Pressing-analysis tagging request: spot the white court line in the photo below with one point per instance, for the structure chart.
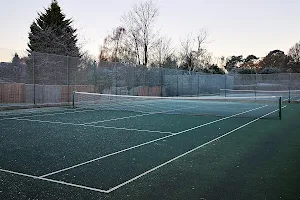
(291, 99)
(295, 98)
(106, 127)
(58, 113)
(146, 114)
(48, 114)
(54, 181)
(90, 125)
(186, 153)
(146, 143)
(29, 111)
(112, 119)
(29, 114)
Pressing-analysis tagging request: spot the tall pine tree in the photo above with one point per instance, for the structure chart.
(52, 33)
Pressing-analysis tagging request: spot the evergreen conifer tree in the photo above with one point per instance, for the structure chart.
(52, 33)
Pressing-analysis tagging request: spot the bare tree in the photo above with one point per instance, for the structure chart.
(220, 62)
(117, 39)
(132, 39)
(104, 51)
(193, 55)
(202, 57)
(294, 58)
(140, 34)
(294, 53)
(112, 45)
(186, 53)
(162, 50)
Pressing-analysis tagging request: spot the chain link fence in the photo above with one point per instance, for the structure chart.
(39, 78)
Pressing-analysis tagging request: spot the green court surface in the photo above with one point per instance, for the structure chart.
(88, 154)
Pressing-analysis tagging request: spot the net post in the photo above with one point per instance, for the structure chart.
(73, 99)
(280, 108)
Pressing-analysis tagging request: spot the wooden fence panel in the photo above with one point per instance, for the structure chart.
(66, 94)
(12, 92)
(29, 93)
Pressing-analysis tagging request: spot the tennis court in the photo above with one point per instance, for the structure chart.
(152, 148)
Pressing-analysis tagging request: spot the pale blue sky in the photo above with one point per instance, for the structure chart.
(234, 26)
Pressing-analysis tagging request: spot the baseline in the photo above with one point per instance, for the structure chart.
(53, 181)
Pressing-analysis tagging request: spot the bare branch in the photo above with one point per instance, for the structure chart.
(139, 23)
(194, 55)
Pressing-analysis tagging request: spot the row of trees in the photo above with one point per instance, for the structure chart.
(138, 42)
(275, 61)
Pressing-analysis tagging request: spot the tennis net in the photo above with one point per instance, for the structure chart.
(287, 95)
(263, 106)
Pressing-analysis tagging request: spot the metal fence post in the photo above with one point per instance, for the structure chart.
(116, 81)
(33, 77)
(95, 76)
(177, 85)
(198, 90)
(255, 86)
(68, 84)
(133, 83)
(225, 93)
(161, 81)
(148, 76)
(290, 82)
